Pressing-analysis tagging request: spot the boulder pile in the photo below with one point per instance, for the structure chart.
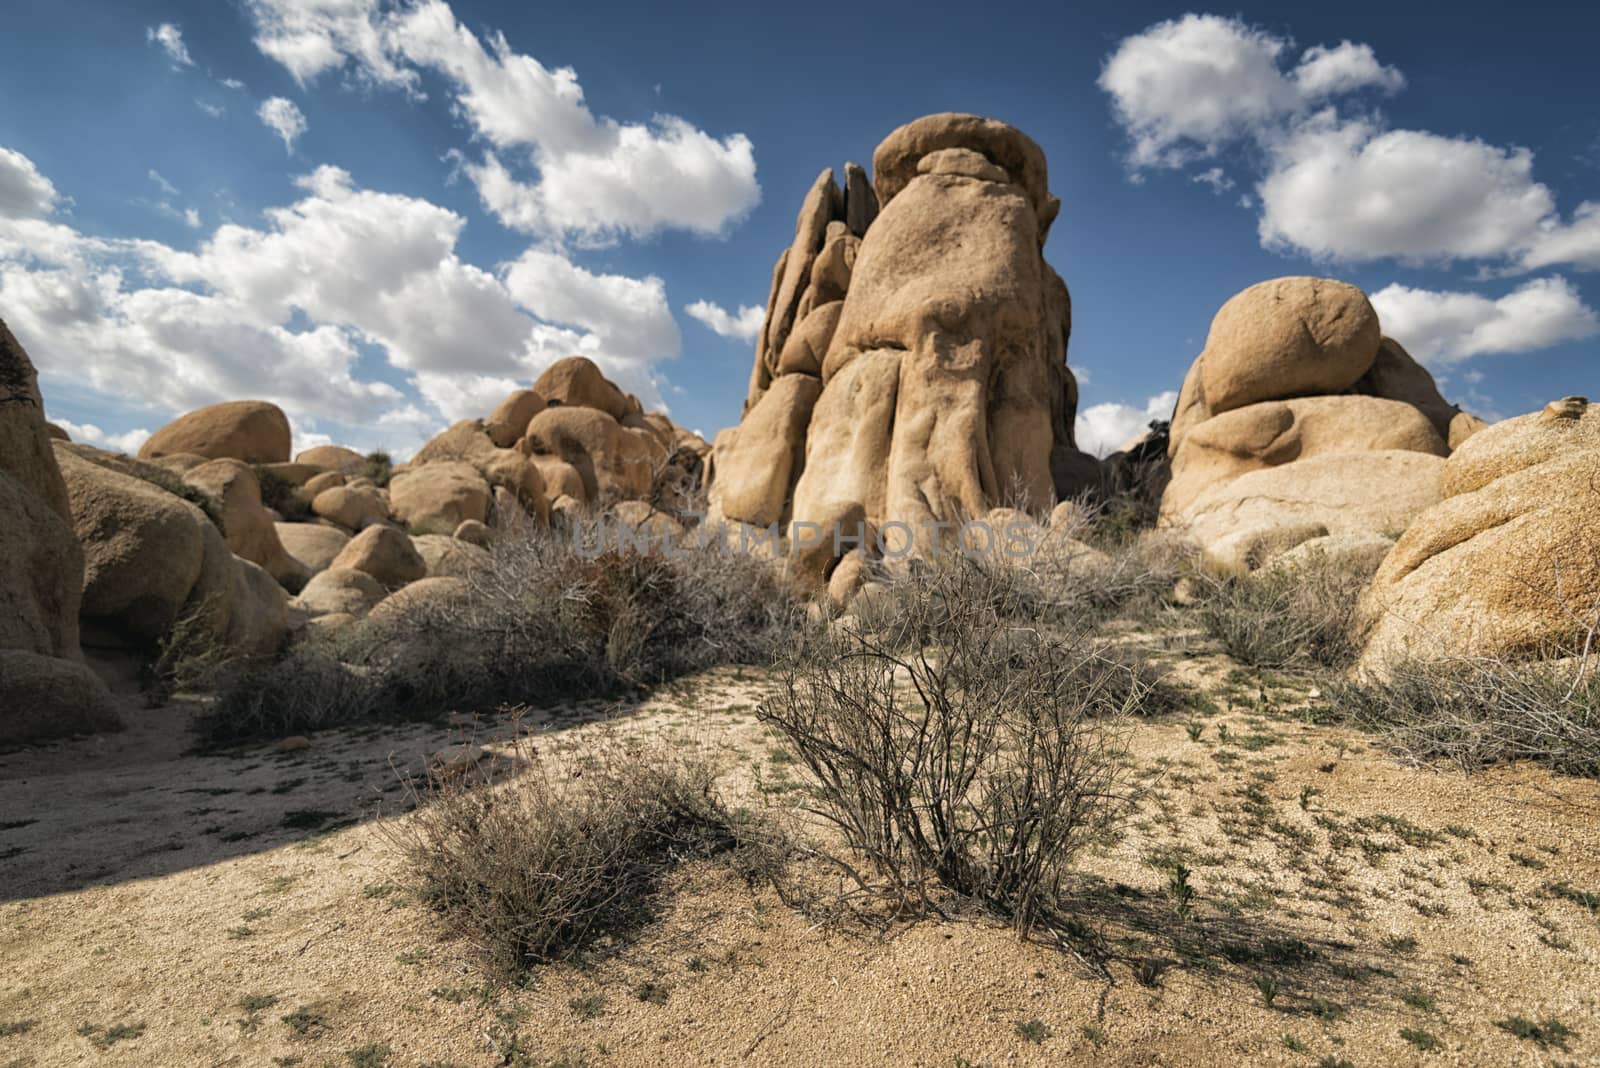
(911, 369)
(1301, 420)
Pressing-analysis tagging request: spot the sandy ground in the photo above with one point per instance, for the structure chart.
(163, 908)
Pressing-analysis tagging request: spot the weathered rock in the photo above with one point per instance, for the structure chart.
(757, 462)
(473, 533)
(808, 343)
(439, 497)
(352, 507)
(1395, 375)
(325, 481)
(334, 458)
(247, 527)
(341, 590)
(560, 479)
(1270, 433)
(253, 431)
(656, 528)
(1243, 551)
(1358, 553)
(295, 474)
(822, 205)
(896, 161)
(314, 545)
(860, 201)
(48, 697)
(450, 557)
(614, 463)
(1346, 492)
(508, 422)
(521, 477)
(577, 382)
(1508, 564)
(817, 544)
(830, 274)
(258, 615)
(384, 553)
(421, 597)
(465, 441)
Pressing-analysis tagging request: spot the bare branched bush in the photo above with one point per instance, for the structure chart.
(544, 621)
(971, 754)
(1474, 712)
(539, 867)
(1288, 613)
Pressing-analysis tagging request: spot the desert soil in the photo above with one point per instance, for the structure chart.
(159, 907)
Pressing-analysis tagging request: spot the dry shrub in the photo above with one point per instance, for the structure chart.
(538, 868)
(971, 754)
(542, 622)
(1288, 613)
(1474, 712)
(281, 495)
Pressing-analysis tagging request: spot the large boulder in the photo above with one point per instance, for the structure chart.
(438, 497)
(334, 458)
(258, 617)
(43, 697)
(314, 545)
(246, 524)
(613, 461)
(449, 556)
(507, 423)
(253, 431)
(1508, 564)
(354, 508)
(384, 553)
(1345, 492)
(577, 382)
(759, 460)
(429, 595)
(340, 591)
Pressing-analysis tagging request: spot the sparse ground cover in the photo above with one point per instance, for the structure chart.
(1284, 891)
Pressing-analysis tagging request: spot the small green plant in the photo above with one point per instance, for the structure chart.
(588, 1008)
(1404, 945)
(306, 1022)
(17, 1027)
(1423, 1040)
(106, 1037)
(1308, 792)
(1032, 1031)
(651, 992)
(695, 964)
(1267, 987)
(1420, 1000)
(1293, 1045)
(1095, 1035)
(1549, 1033)
(380, 468)
(1195, 730)
(1179, 891)
(372, 1055)
(253, 1005)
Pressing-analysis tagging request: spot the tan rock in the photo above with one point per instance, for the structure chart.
(817, 544)
(508, 422)
(334, 458)
(808, 343)
(422, 598)
(247, 526)
(758, 461)
(577, 382)
(1288, 337)
(560, 478)
(849, 575)
(830, 273)
(1242, 551)
(352, 507)
(450, 557)
(860, 202)
(47, 697)
(1358, 553)
(473, 533)
(1506, 565)
(341, 590)
(258, 614)
(384, 553)
(314, 545)
(1374, 492)
(613, 462)
(1395, 375)
(895, 163)
(821, 206)
(324, 481)
(655, 527)
(253, 431)
(439, 497)
(295, 474)
(465, 441)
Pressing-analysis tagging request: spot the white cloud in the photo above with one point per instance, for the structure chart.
(597, 178)
(216, 111)
(90, 434)
(1102, 428)
(295, 311)
(162, 183)
(232, 83)
(1215, 178)
(743, 326)
(192, 218)
(24, 192)
(1186, 87)
(170, 38)
(1335, 185)
(283, 118)
(1440, 328)
(1349, 191)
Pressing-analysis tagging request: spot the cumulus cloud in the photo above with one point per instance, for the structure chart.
(741, 326)
(332, 306)
(283, 118)
(1186, 87)
(1335, 184)
(1102, 428)
(1440, 328)
(595, 178)
(170, 38)
(24, 192)
(215, 111)
(89, 434)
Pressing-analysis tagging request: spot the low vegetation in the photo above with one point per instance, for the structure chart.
(1285, 614)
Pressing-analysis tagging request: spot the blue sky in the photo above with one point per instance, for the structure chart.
(383, 215)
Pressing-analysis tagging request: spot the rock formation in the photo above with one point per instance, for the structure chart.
(45, 688)
(1508, 563)
(911, 369)
(1300, 414)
